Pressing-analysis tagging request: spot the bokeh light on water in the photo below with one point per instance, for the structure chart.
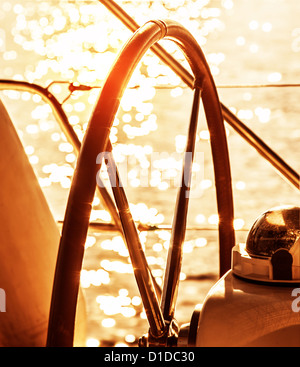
(77, 41)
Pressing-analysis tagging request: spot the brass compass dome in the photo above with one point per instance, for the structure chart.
(277, 228)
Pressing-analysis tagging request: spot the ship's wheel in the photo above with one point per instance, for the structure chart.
(96, 145)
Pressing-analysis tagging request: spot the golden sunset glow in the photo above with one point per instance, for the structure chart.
(73, 44)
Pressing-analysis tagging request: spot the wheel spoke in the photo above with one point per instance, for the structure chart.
(145, 281)
(173, 267)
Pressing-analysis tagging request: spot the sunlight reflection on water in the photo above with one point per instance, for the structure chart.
(58, 40)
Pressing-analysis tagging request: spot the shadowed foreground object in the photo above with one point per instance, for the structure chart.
(254, 304)
(238, 313)
(29, 241)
